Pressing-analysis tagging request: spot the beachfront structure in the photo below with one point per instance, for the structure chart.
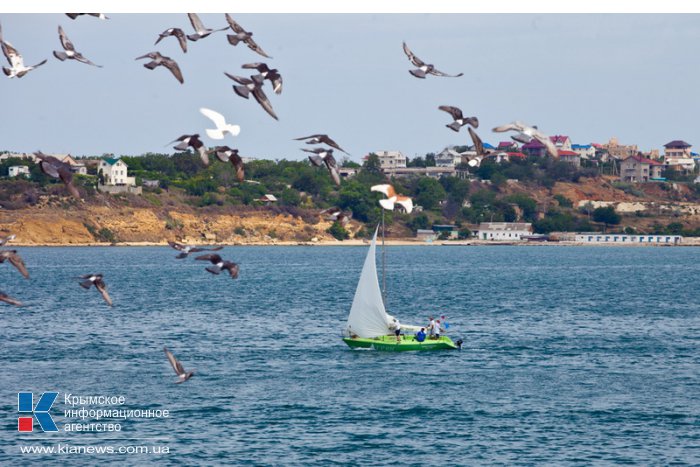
(17, 170)
(597, 237)
(677, 148)
(426, 235)
(585, 151)
(500, 231)
(638, 169)
(571, 157)
(389, 159)
(433, 172)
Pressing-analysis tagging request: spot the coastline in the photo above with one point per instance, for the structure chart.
(687, 242)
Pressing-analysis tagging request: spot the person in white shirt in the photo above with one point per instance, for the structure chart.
(431, 327)
(397, 329)
(436, 331)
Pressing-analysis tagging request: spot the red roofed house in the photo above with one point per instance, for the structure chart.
(571, 157)
(638, 169)
(561, 142)
(508, 146)
(534, 148)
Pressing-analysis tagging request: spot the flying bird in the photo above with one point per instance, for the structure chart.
(219, 265)
(161, 60)
(424, 68)
(55, 168)
(177, 366)
(243, 36)
(185, 250)
(526, 133)
(7, 239)
(15, 260)
(7, 299)
(325, 156)
(96, 15)
(459, 119)
(221, 126)
(17, 67)
(69, 50)
(478, 148)
(200, 31)
(194, 142)
(266, 73)
(96, 280)
(248, 85)
(226, 154)
(321, 139)
(392, 198)
(337, 215)
(175, 32)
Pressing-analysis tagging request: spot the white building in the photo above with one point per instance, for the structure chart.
(17, 170)
(597, 237)
(448, 157)
(586, 151)
(114, 172)
(433, 172)
(389, 159)
(18, 155)
(512, 231)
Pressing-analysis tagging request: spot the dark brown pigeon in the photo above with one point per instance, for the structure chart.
(219, 265)
(15, 260)
(185, 250)
(177, 366)
(161, 60)
(96, 280)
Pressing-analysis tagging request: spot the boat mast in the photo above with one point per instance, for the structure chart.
(383, 263)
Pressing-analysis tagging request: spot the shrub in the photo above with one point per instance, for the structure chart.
(338, 231)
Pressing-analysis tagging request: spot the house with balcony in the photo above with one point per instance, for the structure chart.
(639, 169)
(449, 157)
(677, 148)
(570, 157)
(389, 159)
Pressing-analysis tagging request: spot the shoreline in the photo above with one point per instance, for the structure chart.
(690, 242)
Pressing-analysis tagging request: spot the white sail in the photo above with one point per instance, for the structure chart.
(368, 317)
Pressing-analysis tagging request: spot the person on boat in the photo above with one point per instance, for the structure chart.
(397, 329)
(445, 324)
(431, 327)
(436, 332)
(420, 335)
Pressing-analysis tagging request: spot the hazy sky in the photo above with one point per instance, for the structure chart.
(587, 76)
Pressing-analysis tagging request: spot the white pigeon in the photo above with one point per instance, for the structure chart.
(221, 126)
(392, 198)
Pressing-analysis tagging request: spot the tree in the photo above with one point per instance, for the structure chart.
(372, 164)
(429, 193)
(338, 231)
(606, 215)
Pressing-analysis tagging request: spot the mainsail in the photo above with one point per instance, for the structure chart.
(368, 317)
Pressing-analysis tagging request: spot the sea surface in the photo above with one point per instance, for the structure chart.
(572, 356)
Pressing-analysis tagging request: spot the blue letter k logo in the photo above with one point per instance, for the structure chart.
(25, 402)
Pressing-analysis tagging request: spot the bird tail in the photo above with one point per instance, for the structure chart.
(85, 284)
(7, 71)
(214, 133)
(194, 37)
(233, 39)
(213, 269)
(258, 79)
(387, 204)
(454, 126)
(60, 55)
(233, 129)
(418, 73)
(242, 91)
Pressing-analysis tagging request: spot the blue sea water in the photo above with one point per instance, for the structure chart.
(572, 356)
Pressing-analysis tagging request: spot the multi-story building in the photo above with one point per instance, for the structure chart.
(389, 159)
(17, 170)
(638, 169)
(509, 231)
(677, 148)
(619, 151)
(114, 172)
(585, 151)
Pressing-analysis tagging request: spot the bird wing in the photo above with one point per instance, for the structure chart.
(81, 58)
(508, 127)
(260, 96)
(415, 60)
(212, 258)
(256, 66)
(171, 65)
(252, 45)
(65, 42)
(315, 160)
(406, 202)
(239, 79)
(437, 72)
(177, 246)
(17, 262)
(387, 189)
(234, 26)
(177, 366)
(327, 139)
(196, 22)
(102, 288)
(332, 167)
(456, 112)
(180, 34)
(544, 139)
(214, 116)
(308, 137)
(13, 57)
(237, 162)
(7, 299)
(478, 144)
(233, 269)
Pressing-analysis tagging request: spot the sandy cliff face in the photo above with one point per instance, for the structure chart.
(101, 224)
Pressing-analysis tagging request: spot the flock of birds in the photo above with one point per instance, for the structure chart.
(321, 155)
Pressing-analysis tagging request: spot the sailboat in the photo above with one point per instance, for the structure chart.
(368, 323)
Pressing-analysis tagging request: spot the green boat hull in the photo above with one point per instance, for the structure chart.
(407, 343)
